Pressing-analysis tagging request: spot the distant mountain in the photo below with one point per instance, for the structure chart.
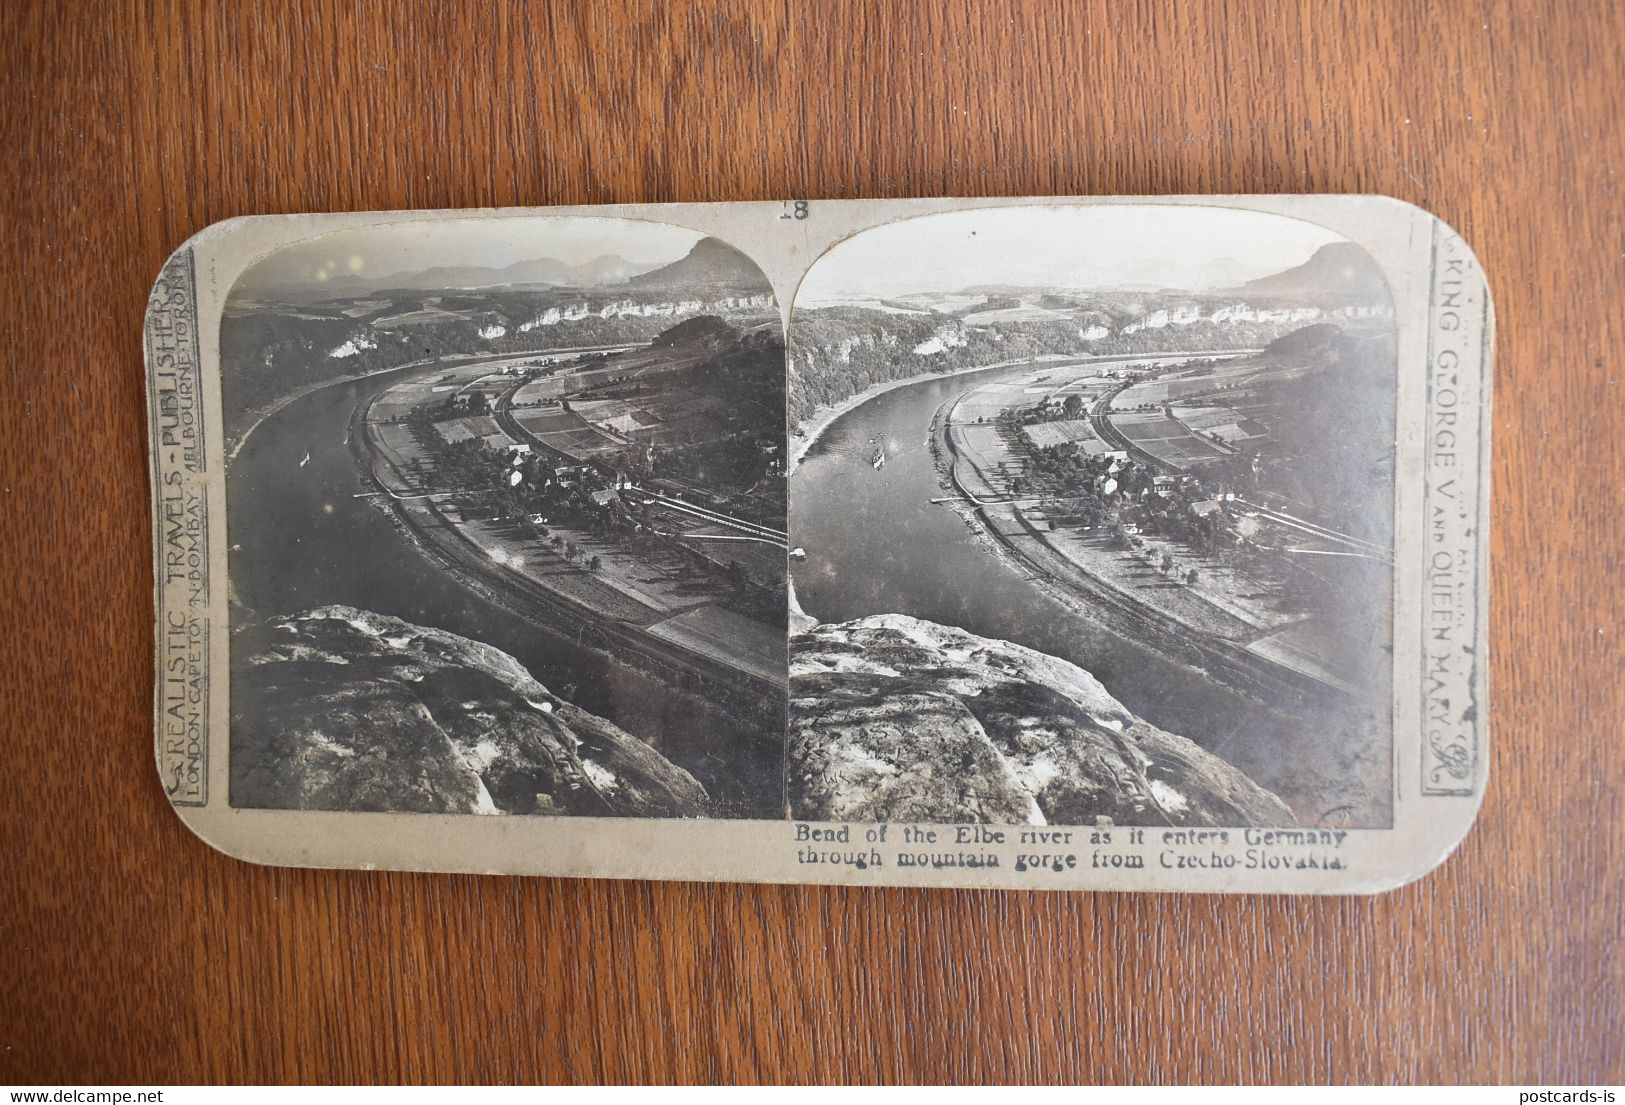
(1340, 271)
(709, 262)
(537, 270)
(609, 269)
(1181, 274)
(605, 270)
(1016, 290)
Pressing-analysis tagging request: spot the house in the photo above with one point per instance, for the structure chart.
(1205, 507)
(569, 476)
(1098, 448)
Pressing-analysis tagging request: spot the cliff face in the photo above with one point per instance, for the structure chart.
(896, 719)
(342, 709)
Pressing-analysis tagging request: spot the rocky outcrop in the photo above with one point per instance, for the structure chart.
(1340, 271)
(897, 719)
(342, 709)
(711, 262)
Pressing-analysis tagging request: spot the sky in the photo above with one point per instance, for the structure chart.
(1063, 247)
(496, 243)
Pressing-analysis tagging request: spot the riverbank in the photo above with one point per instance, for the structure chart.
(265, 410)
(813, 428)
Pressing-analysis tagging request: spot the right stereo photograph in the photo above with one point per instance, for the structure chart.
(1091, 516)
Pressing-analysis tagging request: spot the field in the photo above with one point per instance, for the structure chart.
(491, 385)
(1165, 438)
(462, 429)
(400, 400)
(1157, 392)
(1045, 435)
(1227, 425)
(428, 313)
(1027, 312)
(566, 432)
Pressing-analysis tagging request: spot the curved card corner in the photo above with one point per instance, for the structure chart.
(199, 822)
(1446, 233)
(1436, 855)
(185, 254)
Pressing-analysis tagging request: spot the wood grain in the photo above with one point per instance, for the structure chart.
(133, 953)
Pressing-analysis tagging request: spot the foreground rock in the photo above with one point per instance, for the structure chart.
(897, 719)
(342, 709)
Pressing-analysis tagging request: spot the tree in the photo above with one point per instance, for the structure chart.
(594, 562)
(1167, 562)
(1072, 405)
(1190, 577)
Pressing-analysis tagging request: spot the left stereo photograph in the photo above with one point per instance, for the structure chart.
(506, 515)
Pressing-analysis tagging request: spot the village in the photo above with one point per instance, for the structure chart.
(1151, 482)
(611, 479)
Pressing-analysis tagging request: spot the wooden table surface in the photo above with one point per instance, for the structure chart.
(133, 953)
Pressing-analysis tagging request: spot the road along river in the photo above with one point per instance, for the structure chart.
(301, 537)
(876, 544)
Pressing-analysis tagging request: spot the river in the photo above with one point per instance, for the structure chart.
(300, 537)
(876, 544)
